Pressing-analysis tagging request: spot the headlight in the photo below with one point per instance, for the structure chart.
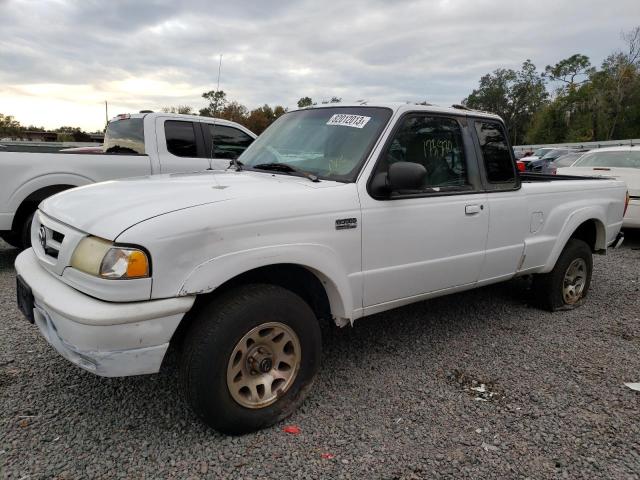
(101, 258)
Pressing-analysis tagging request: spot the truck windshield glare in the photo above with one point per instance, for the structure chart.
(331, 143)
(125, 136)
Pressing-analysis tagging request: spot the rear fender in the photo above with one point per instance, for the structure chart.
(575, 219)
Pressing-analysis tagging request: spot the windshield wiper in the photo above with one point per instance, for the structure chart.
(285, 168)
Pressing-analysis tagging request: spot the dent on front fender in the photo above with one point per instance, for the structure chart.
(319, 260)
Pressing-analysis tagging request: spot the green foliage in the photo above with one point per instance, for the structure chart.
(567, 70)
(72, 134)
(234, 112)
(305, 102)
(256, 120)
(590, 105)
(9, 125)
(217, 100)
(515, 96)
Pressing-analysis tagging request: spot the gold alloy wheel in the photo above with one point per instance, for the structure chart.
(263, 365)
(574, 281)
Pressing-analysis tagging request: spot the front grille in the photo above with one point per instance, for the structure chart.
(51, 241)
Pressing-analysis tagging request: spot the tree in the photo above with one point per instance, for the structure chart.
(332, 100)
(567, 70)
(305, 102)
(9, 125)
(260, 118)
(618, 81)
(182, 109)
(514, 96)
(234, 112)
(217, 100)
(72, 134)
(278, 111)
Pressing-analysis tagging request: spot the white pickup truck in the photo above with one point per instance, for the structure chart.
(135, 145)
(333, 213)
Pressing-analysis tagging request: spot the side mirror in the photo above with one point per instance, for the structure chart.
(405, 176)
(400, 176)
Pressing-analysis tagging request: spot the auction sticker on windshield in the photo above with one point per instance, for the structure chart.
(345, 120)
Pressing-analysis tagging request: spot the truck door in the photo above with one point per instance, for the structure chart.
(432, 239)
(507, 206)
(180, 146)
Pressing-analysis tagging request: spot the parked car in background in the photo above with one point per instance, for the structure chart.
(518, 154)
(541, 165)
(564, 161)
(91, 149)
(336, 213)
(622, 163)
(539, 153)
(134, 145)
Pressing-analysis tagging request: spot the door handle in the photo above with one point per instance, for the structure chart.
(472, 209)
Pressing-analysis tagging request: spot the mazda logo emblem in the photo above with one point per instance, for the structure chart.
(42, 236)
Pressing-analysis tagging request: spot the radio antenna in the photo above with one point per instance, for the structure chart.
(219, 70)
(215, 112)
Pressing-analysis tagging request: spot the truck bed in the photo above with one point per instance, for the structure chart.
(545, 177)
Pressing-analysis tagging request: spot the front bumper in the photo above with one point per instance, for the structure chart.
(108, 339)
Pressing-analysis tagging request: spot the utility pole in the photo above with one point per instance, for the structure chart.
(106, 113)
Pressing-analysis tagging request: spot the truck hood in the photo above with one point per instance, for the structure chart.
(107, 209)
(631, 176)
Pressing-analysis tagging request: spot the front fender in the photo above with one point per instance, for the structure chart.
(319, 259)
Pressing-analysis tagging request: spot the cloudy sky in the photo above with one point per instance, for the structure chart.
(60, 60)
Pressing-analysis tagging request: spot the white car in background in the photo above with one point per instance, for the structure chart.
(622, 163)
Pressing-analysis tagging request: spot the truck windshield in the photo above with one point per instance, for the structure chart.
(330, 143)
(125, 136)
(619, 159)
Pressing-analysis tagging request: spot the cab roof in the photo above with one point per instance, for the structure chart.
(400, 107)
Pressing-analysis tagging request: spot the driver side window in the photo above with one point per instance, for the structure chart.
(435, 143)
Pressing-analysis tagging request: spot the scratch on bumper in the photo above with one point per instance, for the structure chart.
(114, 363)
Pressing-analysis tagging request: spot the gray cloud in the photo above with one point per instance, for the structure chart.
(277, 51)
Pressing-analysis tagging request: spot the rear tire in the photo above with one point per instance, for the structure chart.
(236, 351)
(566, 286)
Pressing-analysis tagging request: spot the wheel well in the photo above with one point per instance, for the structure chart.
(295, 278)
(30, 204)
(592, 233)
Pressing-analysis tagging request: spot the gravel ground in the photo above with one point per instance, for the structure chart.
(394, 398)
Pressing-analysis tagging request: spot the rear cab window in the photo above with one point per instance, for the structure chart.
(181, 138)
(125, 136)
(499, 167)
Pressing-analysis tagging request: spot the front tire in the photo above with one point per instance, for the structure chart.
(25, 231)
(566, 286)
(11, 239)
(249, 358)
